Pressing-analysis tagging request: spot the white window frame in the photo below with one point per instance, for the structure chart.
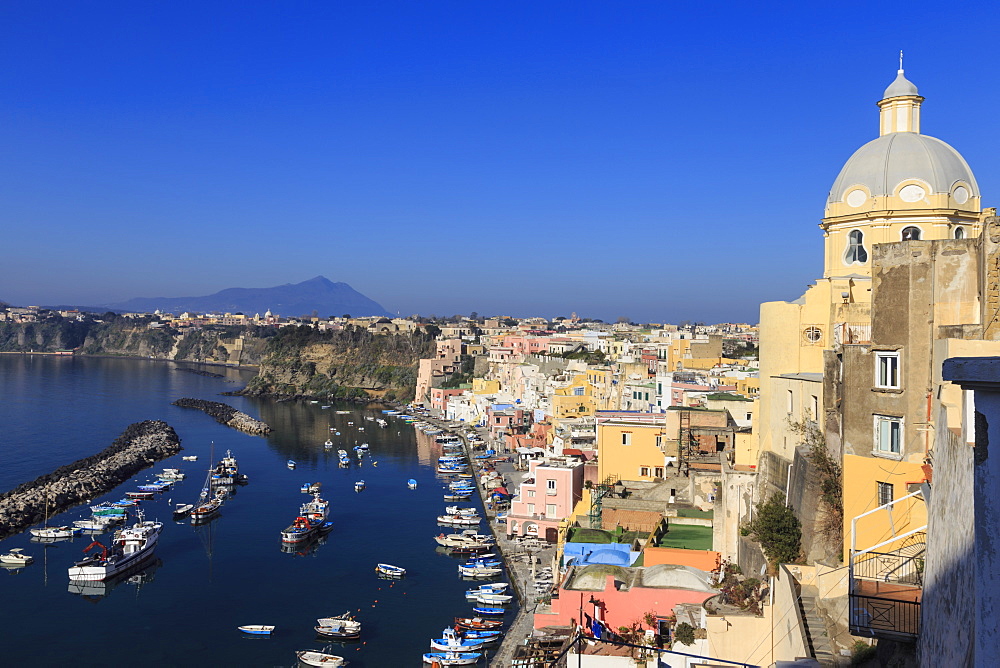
(551, 510)
(887, 370)
(883, 436)
(550, 487)
(626, 438)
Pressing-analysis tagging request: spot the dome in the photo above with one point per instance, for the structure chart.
(882, 164)
(900, 86)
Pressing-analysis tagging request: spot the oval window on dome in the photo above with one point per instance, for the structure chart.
(961, 195)
(856, 198)
(911, 193)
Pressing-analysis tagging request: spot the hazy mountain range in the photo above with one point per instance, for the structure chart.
(318, 294)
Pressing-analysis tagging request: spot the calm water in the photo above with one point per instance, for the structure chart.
(206, 581)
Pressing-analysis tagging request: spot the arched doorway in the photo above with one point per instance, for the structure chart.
(552, 535)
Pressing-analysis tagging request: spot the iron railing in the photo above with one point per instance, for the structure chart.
(879, 617)
(889, 567)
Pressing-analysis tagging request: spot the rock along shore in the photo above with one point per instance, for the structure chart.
(140, 445)
(227, 415)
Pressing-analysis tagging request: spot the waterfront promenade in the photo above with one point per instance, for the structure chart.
(523, 559)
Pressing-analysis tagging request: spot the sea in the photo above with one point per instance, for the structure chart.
(205, 581)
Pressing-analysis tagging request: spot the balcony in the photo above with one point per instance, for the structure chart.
(886, 583)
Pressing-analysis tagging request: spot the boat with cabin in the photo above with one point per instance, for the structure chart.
(130, 547)
(311, 517)
(16, 557)
(343, 627)
(452, 642)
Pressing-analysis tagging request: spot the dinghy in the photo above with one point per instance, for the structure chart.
(311, 658)
(256, 629)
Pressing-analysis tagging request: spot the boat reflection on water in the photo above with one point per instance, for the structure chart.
(96, 590)
(307, 549)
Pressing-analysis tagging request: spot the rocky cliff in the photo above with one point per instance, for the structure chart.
(353, 363)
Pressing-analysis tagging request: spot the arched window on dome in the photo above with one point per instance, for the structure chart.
(911, 233)
(959, 232)
(856, 253)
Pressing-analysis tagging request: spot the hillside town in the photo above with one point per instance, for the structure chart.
(812, 490)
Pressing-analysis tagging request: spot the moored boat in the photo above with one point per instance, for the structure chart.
(411, 483)
(489, 611)
(478, 623)
(311, 517)
(344, 627)
(257, 629)
(359, 485)
(16, 557)
(130, 547)
(313, 658)
(190, 458)
(390, 571)
(452, 658)
(452, 642)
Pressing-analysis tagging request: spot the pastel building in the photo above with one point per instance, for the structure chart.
(546, 497)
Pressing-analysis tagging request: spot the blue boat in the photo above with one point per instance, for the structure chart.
(411, 483)
(489, 611)
(452, 658)
(485, 636)
(256, 629)
(390, 571)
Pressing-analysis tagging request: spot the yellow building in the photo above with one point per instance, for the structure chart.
(484, 386)
(630, 446)
(576, 399)
(908, 281)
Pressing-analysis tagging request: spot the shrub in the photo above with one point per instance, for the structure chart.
(777, 529)
(684, 633)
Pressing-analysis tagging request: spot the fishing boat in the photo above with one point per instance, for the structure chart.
(256, 629)
(486, 636)
(142, 496)
(344, 627)
(459, 520)
(411, 483)
(452, 658)
(478, 623)
(129, 548)
(390, 571)
(458, 497)
(328, 445)
(190, 458)
(290, 463)
(311, 517)
(227, 471)
(478, 571)
(457, 540)
(16, 557)
(452, 642)
(494, 599)
(171, 475)
(457, 510)
(475, 592)
(359, 485)
(490, 611)
(313, 658)
(107, 510)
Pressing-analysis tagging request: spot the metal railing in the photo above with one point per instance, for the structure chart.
(889, 567)
(562, 660)
(878, 617)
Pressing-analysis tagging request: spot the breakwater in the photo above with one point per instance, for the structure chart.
(139, 446)
(227, 415)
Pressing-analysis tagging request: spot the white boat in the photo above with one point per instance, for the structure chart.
(328, 445)
(16, 557)
(256, 629)
(459, 520)
(452, 658)
(130, 547)
(344, 627)
(390, 571)
(310, 519)
(94, 524)
(478, 571)
(52, 533)
(411, 483)
(359, 485)
(467, 512)
(182, 509)
(459, 542)
(171, 475)
(190, 458)
(311, 658)
(207, 505)
(494, 599)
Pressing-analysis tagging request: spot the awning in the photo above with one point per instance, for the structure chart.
(524, 451)
(501, 490)
(573, 451)
(540, 451)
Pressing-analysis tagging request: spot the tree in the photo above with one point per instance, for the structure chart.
(684, 633)
(777, 529)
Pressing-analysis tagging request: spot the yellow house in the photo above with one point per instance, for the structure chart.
(631, 446)
(483, 386)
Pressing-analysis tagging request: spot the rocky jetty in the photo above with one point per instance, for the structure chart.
(140, 445)
(227, 415)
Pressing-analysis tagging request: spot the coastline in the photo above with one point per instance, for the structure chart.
(129, 357)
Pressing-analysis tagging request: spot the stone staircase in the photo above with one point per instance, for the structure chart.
(816, 633)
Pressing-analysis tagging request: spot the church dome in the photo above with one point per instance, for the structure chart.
(883, 164)
(900, 86)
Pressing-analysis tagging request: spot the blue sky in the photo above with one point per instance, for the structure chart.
(659, 161)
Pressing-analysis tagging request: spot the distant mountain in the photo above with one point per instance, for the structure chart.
(317, 294)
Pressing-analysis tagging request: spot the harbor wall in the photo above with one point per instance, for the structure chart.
(141, 445)
(227, 415)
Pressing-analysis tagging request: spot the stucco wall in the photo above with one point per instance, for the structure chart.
(949, 597)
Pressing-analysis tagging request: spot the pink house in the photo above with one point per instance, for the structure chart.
(546, 497)
(439, 397)
(622, 598)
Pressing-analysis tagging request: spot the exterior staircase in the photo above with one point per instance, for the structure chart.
(816, 633)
